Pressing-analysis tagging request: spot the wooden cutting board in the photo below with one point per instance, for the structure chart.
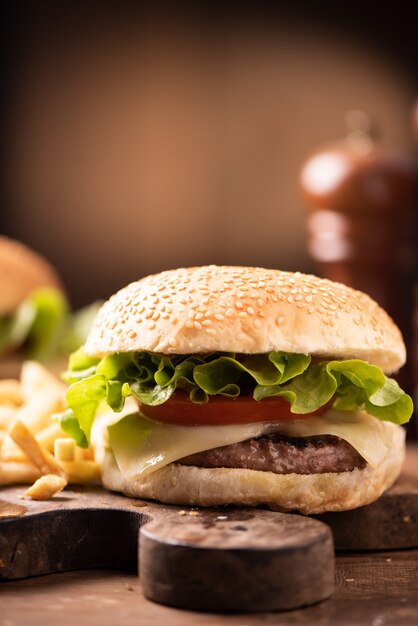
(390, 523)
(208, 559)
(223, 559)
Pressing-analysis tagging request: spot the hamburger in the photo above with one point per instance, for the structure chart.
(35, 317)
(32, 306)
(237, 385)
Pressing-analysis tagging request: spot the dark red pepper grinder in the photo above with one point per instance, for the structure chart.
(361, 201)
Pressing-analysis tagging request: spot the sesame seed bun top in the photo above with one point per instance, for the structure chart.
(246, 310)
(21, 271)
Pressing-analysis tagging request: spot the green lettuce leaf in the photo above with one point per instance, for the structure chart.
(37, 324)
(153, 378)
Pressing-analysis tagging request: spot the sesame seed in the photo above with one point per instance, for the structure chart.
(219, 316)
(290, 299)
(131, 334)
(242, 314)
(206, 323)
(239, 304)
(250, 310)
(198, 325)
(151, 326)
(229, 312)
(189, 324)
(210, 331)
(257, 323)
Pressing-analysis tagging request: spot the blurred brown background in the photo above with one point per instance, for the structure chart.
(138, 140)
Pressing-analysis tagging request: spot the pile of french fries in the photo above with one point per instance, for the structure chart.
(33, 448)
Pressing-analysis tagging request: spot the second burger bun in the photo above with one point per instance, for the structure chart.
(246, 310)
(21, 271)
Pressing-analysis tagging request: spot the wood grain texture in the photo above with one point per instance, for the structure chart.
(251, 561)
(213, 559)
(378, 589)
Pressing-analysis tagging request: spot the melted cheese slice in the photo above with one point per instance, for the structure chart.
(142, 446)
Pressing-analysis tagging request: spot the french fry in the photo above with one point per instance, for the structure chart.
(29, 435)
(46, 487)
(36, 412)
(84, 454)
(49, 435)
(64, 449)
(10, 451)
(10, 392)
(41, 458)
(35, 377)
(11, 473)
(7, 415)
(80, 472)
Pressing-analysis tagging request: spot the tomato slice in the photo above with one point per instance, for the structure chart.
(219, 410)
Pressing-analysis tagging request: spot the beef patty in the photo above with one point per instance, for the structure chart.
(283, 455)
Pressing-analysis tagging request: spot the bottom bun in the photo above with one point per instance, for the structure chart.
(307, 493)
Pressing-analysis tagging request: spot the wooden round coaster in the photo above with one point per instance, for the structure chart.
(237, 561)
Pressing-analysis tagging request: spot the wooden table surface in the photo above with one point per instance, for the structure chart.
(377, 589)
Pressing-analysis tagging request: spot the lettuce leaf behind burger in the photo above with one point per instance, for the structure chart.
(153, 378)
(43, 327)
(37, 324)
